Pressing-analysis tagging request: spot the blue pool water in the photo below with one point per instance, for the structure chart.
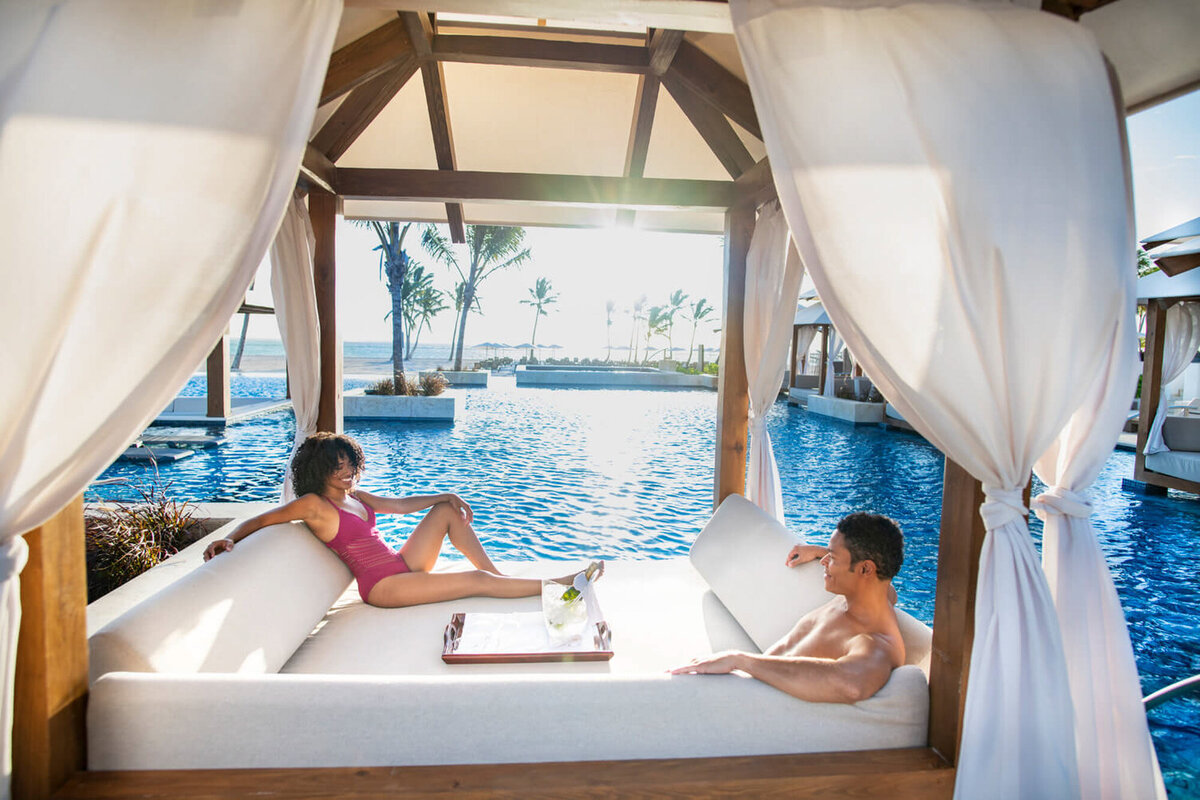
(562, 473)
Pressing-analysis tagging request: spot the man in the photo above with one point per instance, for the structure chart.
(845, 650)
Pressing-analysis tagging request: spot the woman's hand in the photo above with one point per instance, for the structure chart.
(461, 506)
(218, 547)
(803, 553)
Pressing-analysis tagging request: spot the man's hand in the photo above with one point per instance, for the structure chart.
(804, 553)
(460, 505)
(218, 547)
(716, 664)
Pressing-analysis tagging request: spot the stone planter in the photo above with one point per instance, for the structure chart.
(847, 410)
(357, 405)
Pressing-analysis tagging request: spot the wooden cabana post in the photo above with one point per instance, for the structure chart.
(217, 371)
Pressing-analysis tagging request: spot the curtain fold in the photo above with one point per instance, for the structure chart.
(1180, 342)
(142, 191)
(773, 275)
(835, 345)
(804, 340)
(295, 296)
(952, 176)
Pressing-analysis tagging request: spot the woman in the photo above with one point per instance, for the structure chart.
(325, 473)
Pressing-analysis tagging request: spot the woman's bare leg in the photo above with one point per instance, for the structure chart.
(415, 588)
(441, 522)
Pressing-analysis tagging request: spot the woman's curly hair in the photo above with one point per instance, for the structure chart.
(318, 458)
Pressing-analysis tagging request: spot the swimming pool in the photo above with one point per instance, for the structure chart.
(566, 473)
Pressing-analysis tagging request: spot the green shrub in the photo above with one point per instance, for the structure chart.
(124, 539)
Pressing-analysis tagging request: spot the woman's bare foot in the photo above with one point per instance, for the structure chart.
(592, 574)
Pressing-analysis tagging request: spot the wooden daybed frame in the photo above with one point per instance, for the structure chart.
(52, 672)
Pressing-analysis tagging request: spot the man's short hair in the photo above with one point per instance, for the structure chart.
(873, 537)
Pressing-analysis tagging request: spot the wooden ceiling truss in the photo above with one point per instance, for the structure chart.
(373, 68)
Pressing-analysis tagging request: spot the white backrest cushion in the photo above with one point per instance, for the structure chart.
(243, 611)
(741, 554)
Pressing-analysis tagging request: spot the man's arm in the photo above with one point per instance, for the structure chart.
(859, 674)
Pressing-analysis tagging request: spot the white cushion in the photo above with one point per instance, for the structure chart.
(243, 611)
(1176, 463)
(661, 614)
(149, 721)
(741, 554)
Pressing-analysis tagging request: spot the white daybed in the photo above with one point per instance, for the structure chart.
(267, 658)
(1182, 435)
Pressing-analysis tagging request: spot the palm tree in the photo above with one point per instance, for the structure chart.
(636, 314)
(422, 303)
(394, 263)
(656, 322)
(491, 248)
(609, 307)
(540, 296)
(674, 305)
(694, 313)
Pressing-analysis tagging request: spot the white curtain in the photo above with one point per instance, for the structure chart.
(1112, 740)
(804, 340)
(147, 152)
(295, 299)
(773, 275)
(1180, 342)
(835, 344)
(952, 176)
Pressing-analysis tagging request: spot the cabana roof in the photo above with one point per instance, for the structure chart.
(624, 90)
(812, 315)
(1160, 285)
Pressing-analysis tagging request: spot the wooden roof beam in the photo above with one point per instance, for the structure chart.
(443, 139)
(318, 171)
(716, 85)
(639, 136)
(420, 32)
(351, 66)
(589, 190)
(663, 46)
(756, 185)
(521, 52)
(712, 125)
(359, 109)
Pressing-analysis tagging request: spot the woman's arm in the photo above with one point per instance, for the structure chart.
(303, 509)
(420, 502)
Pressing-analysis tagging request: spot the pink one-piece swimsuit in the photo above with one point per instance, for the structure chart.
(359, 545)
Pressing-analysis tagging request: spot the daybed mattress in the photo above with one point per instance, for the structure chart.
(1176, 463)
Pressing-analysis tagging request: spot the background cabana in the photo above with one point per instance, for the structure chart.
(78, 127)
(1168, 446)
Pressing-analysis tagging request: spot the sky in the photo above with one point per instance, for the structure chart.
(588, 267)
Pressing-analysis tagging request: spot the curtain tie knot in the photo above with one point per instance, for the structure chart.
(1061, 501)
(758, 424)
(1001, 506)
(13, 555)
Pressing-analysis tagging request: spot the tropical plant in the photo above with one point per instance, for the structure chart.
(656, 323)
(431, 384)
(490, 248)
(422, 303)
(609, 307)
(124, 539)
(541, 295)
(695, 313)
(674, 305)
(636, 313)
(394, 263)
(1145, 264)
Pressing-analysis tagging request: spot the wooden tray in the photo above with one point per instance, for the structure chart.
(529, 625)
